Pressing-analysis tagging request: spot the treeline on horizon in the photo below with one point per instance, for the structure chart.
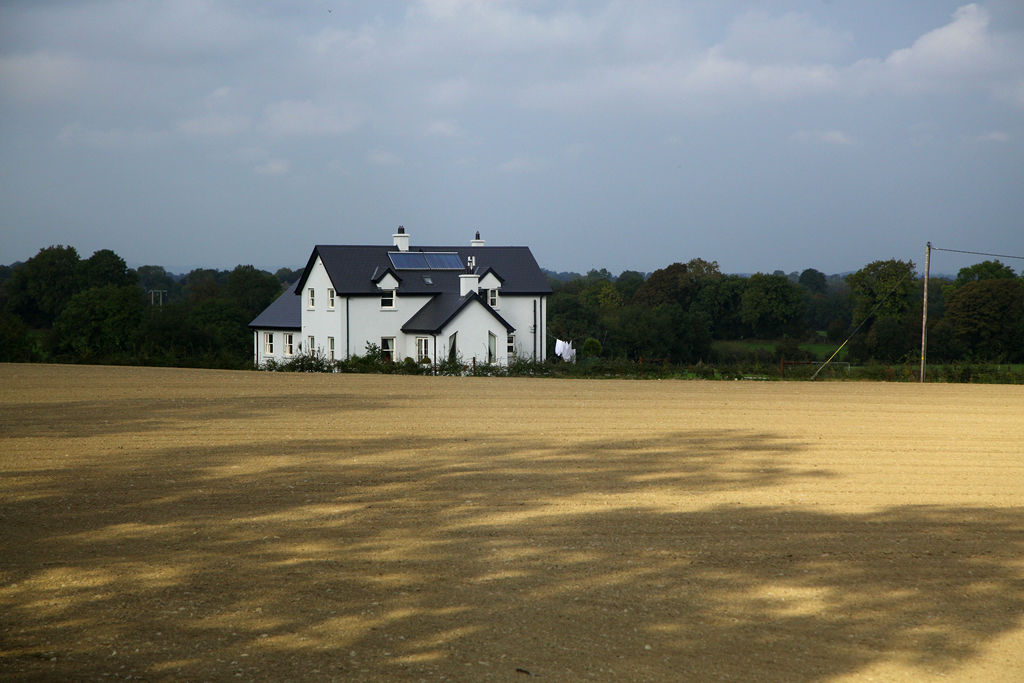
(59, 307)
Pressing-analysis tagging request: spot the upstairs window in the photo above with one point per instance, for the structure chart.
(387, 299)
(312, 297)
(330, 299)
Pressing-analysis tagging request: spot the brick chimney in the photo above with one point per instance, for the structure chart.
(401, 239)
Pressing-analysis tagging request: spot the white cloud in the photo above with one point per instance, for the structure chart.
(962, 55)
(274, 167)
(961, 47)
(444, 128)
(761, 37)
(996, 136)
(825, 137)
(303, 117)
(522, 164)
(40, 76)
(380, 157)
(214, 125)
(123, 138)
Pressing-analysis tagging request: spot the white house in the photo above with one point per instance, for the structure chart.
(480, 303)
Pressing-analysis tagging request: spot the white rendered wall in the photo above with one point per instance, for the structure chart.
(320, 321)
(473, 324)
(518, 311)
(369, 322)
(260, 341)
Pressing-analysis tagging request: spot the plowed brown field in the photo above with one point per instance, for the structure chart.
(206, 525)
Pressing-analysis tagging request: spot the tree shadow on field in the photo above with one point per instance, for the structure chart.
(119, 415)
(414, 557)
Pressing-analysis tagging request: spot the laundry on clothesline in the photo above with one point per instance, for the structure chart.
(564, 350)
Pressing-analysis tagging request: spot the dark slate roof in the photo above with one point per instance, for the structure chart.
(437, 312)
(282, 314)
(352, 269)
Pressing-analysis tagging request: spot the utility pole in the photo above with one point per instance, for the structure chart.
(924, 307)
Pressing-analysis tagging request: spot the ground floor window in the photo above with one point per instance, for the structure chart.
(289, 344)
(387, 349)
(330, 345)
(422, 348)
(453, 349)
(511, 345)
(268, 343)
(312, 345)
(492, 347)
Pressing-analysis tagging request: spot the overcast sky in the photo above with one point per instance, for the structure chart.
(625, 135)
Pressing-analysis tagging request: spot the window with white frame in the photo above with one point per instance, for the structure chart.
(312, 297)
(422, 348)
(492, 347)
(268, 343)
(511, 348)
(387, 349)
(330, 347)
(492, 298)
(289, 344)
(387, 298)
(330, 298)
(312, 344)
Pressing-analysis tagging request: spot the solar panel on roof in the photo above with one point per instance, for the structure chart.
(443, 261)
(425, 260)
(408, 260)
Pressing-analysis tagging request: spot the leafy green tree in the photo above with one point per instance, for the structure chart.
(252, 289)
(591, 348)
(672, 284)
(153, 279)
(15, 343)
(986, 270)
(595, 275)
(201, 284)
(882, 289)
(771, 306)
(104, 268)
(986, 319)
(813, 281)
(222, 333)
(169, 337)
(100, 323)
(886, 299)
(287, 276)
(40, 288)
(628, 282)
(719, 300)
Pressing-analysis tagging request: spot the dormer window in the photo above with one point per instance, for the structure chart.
(387, 298)
(492, 298)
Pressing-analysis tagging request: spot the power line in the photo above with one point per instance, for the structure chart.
(977, 253)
